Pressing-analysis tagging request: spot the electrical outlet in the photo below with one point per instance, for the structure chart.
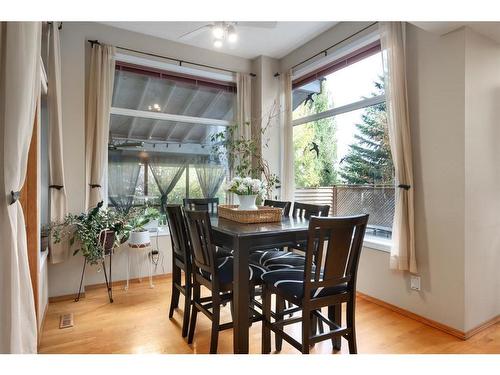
(415, 282)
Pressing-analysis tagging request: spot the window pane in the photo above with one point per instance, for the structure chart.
(348, 85)
(147, 93)
(345, 161)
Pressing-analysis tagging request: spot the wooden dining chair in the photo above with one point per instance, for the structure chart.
(210, 205)
(285, 205)
(216, 274)
(328, 282)
(181, 262)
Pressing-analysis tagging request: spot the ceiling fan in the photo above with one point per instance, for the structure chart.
(225, 31)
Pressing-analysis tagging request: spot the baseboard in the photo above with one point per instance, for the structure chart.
(432, 323)
(66, 297)
(468, 334)
(124, 282)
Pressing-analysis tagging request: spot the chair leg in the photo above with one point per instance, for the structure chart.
(351, 324)
(280, 307)
(215, 323)
(174, 301)
(266, 332)
(335, 315)
(194, 312)
(306, 330)
(187, 308)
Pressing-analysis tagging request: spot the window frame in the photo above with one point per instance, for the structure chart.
(364, 50)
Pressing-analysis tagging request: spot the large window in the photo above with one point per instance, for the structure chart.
(160, 136)
(342, 154)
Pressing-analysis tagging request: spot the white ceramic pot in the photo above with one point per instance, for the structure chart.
(247, 202)
(139, 238)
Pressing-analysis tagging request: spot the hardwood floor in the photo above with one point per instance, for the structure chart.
(137, 322)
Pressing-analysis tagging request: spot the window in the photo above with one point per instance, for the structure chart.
(341, 145)
(160, 136)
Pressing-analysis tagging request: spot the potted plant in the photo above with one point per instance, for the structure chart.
(95, 232)
(135, 228)
(247, 189)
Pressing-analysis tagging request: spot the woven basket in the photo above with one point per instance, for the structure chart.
(264, 214)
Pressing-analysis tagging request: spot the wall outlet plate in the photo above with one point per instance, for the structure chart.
(415, 282)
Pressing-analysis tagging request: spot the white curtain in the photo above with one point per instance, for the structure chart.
(403, 234)
(19, 92)
(58, 201)
(210, 178)
(243, 109)
(98, 105)
(287, 170)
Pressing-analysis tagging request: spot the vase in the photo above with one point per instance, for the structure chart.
(247, 202)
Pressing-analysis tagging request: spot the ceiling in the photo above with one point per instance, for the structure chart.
(489, 29)
(252, 42)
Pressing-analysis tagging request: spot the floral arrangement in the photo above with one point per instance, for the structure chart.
(246, 186)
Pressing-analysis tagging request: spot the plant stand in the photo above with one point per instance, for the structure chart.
(109, 284)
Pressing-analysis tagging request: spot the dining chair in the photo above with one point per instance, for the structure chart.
(328, 282)
(216, 274)
(181, 262)
(285, 205)
(276, 258)
(202, 204)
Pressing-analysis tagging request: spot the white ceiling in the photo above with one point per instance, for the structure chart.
(252, 42)
(489, 29)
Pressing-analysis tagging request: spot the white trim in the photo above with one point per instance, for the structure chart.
(378, 244)
(339, 110)
(43, 77)
(175, 68)
(168, 117)
(338, 52)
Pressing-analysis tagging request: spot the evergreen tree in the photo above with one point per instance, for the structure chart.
(369, 159)
(315, 145)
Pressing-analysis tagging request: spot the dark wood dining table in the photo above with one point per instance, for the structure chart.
(243, 239)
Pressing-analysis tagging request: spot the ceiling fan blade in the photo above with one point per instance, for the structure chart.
(193, 33)
(258, 24)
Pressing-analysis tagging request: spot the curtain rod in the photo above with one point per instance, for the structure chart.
(92, 42)
(325, 51)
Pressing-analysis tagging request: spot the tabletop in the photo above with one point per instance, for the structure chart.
(287, 224)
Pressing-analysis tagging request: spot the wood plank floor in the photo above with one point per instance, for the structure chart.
(137, 322)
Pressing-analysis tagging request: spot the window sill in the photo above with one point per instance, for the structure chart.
(379, 244)
(159, 232)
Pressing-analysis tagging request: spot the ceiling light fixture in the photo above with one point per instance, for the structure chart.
(218, 30)
(224, 31)
(231, 34)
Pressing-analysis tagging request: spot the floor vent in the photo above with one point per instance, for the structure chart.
(66, 321)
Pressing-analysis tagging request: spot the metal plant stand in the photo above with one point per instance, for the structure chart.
(104, 239)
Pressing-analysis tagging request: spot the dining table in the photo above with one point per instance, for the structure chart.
(243, 239)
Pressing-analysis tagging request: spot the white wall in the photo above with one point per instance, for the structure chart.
(482, 170)
(64, 278)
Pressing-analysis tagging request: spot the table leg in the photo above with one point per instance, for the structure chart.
(241, 297)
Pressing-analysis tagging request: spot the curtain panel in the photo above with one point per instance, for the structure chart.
(123, 174)
(243, 109)
(403, 233)
(210, 178)
(20, 44)
(58, 201)
(98, 105)
(287, 159)
(166, 175)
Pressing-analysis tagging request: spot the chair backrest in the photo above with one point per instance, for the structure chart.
(280, 204)
(337, 263)
(178, 233)
(202, 245)
(306, 210)
(202, 204)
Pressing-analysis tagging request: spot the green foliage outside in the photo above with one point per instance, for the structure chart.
(369, 159)
(313, 169)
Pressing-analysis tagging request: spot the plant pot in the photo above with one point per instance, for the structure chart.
(139, 238)
(107, 240)
(247, 202)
